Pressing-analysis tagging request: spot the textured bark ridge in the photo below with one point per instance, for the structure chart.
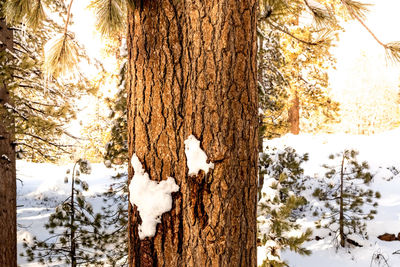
(8, 213)
(193, 71)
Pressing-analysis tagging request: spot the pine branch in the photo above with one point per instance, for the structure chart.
(16, 10)
(58, 146)
(281, 29)
(45, 156)
(357, 11)
(36, 16)
(61, 52)
(322, 15)
(110, 16)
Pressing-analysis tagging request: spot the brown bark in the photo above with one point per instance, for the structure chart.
(8, 213)
(294, 114)
(192, 70)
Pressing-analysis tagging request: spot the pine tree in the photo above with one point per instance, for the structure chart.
(42, 106)
(37, 109)
(293, 62)
(294, 58)
(75, 230)
(171, 97)
(348, 198)
(281, 200)
(117, 146)
(285, 162)
(115, 214)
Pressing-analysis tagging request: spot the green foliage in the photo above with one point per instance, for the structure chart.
(115, 214)
(293, 59)
(116, 198)
(75, 230)
(61, 56)
(271, 86)
(345, 190)
(110, 16)
(17, 11)
(37, 15)
(117, 147)
(286, 166)
(280, 202)
(42, 106)
(61, 53)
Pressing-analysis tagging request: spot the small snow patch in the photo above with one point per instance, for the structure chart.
(196, 157)
(151, 198)
(5, 157)
(24, 236)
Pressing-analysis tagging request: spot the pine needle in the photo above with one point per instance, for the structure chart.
(278, 8)
(16, 10)
(61, 56)
(356, 9)
(325, 36)
(110, 16)
(35, 18)
(322, 15)
(393, 51)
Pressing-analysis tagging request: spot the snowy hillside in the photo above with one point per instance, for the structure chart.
(42, 188)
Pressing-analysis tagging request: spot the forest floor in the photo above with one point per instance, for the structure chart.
(41, 188)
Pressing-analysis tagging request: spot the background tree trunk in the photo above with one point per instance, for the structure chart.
(341, 206)
(192, 70)
(8, 212)
(294, 114)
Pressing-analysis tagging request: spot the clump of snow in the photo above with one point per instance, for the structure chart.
(196, 157)
(24, 236)
(151, 198)
(123, 50)
(5, 158)
(265, 252)
(108, 163)
(269, 189)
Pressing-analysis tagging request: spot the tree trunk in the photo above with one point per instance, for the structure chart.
(341, 211)
(261, 129)
(294, 114)
(8, 213)
(72, 222)
(192, 70)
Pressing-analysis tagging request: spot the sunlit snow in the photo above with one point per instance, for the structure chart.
(151, 198)
(196, 157)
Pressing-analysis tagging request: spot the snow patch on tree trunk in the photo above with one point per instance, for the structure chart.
(151, 198)
(196, 157)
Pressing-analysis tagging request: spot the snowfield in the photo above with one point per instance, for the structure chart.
(381, 151)
(42, 188)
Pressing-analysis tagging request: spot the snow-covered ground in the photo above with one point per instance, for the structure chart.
(381, 151)
(42, 188)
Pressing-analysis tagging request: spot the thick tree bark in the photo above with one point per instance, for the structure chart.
(192, 70)
(8, 213)
(294, 114)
